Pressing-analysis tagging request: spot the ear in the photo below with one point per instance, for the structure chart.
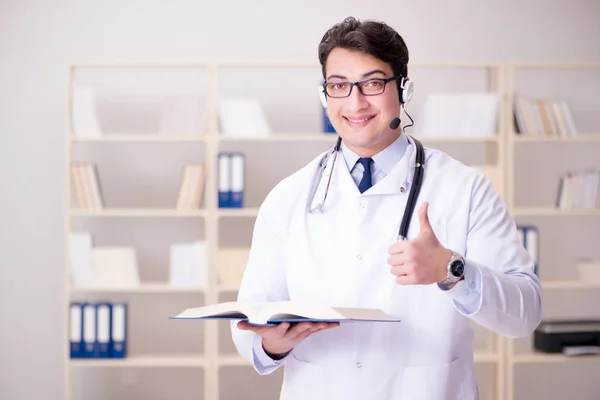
(322, 96)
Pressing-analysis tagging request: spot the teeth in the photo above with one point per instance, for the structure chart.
(359, 120)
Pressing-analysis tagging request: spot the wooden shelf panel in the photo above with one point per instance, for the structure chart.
(331, 138)
(550, 211)
(539, 357)
(139, 138)
(569, 284)
(235, 360)
(138, 212)
(284, 137)
(145, 361)
(238, 212)
(143, 288)
(580, 138)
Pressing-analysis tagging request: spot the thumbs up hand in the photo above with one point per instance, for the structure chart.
(422, 260)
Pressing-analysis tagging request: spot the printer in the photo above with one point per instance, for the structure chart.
(569, 337)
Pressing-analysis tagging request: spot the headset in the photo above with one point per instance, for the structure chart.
(406, 89)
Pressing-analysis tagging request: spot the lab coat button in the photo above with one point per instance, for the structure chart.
(358, 365)
(358, 257)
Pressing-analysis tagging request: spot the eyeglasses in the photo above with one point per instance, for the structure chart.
(367, 87)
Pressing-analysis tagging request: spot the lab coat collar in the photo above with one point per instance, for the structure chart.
(395, 182)
(385, 160)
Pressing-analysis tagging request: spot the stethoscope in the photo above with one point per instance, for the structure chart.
(412, 197)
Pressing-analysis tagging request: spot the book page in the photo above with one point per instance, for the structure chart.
(228, 310)
(286, 310)
(365, 314)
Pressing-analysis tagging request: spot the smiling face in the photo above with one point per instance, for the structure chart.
(362, 121)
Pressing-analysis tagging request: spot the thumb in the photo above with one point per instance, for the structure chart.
(424, 218)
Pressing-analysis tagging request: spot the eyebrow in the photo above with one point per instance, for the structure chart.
(365, 75)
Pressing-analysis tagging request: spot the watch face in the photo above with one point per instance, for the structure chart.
(457, 268)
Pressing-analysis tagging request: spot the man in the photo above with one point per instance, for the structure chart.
(461, 261)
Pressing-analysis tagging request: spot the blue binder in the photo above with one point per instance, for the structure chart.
(224, 180)
(103, 330)
(76, 330)
(238, 179)
(90, 344)
(327, 126)
(119, 330)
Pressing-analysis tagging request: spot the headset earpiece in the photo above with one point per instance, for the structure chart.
(322, 96)
(406, 89)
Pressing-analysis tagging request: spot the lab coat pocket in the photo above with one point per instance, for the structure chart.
(436, 382)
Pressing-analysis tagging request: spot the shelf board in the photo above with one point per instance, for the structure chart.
(485, 357)
(235, 360)
(228, 288)
(145, 361)
(533, 356)
(569, 284)
(580, 138)
(138, 212)
(143, 288)
(238, 212)
(232, 361)
(455, 139)
(284, 137)
(550, 211)
(331, 138)
(139, 138)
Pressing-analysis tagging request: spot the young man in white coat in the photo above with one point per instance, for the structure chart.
(461, 261)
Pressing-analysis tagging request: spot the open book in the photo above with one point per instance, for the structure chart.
(283, 311)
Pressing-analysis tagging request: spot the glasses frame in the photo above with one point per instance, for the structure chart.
(357, 84)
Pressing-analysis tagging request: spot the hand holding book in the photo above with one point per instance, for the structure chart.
(280, 339)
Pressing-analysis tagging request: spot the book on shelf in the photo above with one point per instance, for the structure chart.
(98, 329)
(273, 313)
(530, 239)
(442, 114)
(101, 266)
(242, 117)
(84, 118)
(188, 264)
(86, 182)
(191, 188)
(579, 190)
(543, 117)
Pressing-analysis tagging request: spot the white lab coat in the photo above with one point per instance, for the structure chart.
(339, 257)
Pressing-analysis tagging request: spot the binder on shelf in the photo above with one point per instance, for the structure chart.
(90, 343)
(119, 330)
(76, 330)
(232, 179)
(529, 236)
(103, 329)
(238, 181)
(327, 126)
(224, 180)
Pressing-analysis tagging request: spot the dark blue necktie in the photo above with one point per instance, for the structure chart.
(365, 182)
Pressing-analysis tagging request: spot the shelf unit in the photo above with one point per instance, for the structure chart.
(500, 354)
(513, 355)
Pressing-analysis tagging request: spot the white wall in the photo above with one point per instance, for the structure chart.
(39, 38)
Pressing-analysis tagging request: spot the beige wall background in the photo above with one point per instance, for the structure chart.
(38, 39)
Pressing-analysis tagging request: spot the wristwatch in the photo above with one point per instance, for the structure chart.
(455, 268)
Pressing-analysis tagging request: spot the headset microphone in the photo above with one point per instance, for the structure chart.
(395, 124)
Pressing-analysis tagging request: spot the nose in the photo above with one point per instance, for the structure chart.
(357, 100)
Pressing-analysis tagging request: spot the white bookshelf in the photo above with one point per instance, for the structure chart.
(518, 356)
(498, 353)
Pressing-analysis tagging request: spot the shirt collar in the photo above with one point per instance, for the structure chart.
(385, 160)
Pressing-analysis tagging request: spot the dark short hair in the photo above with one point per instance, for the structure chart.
(369, 37)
